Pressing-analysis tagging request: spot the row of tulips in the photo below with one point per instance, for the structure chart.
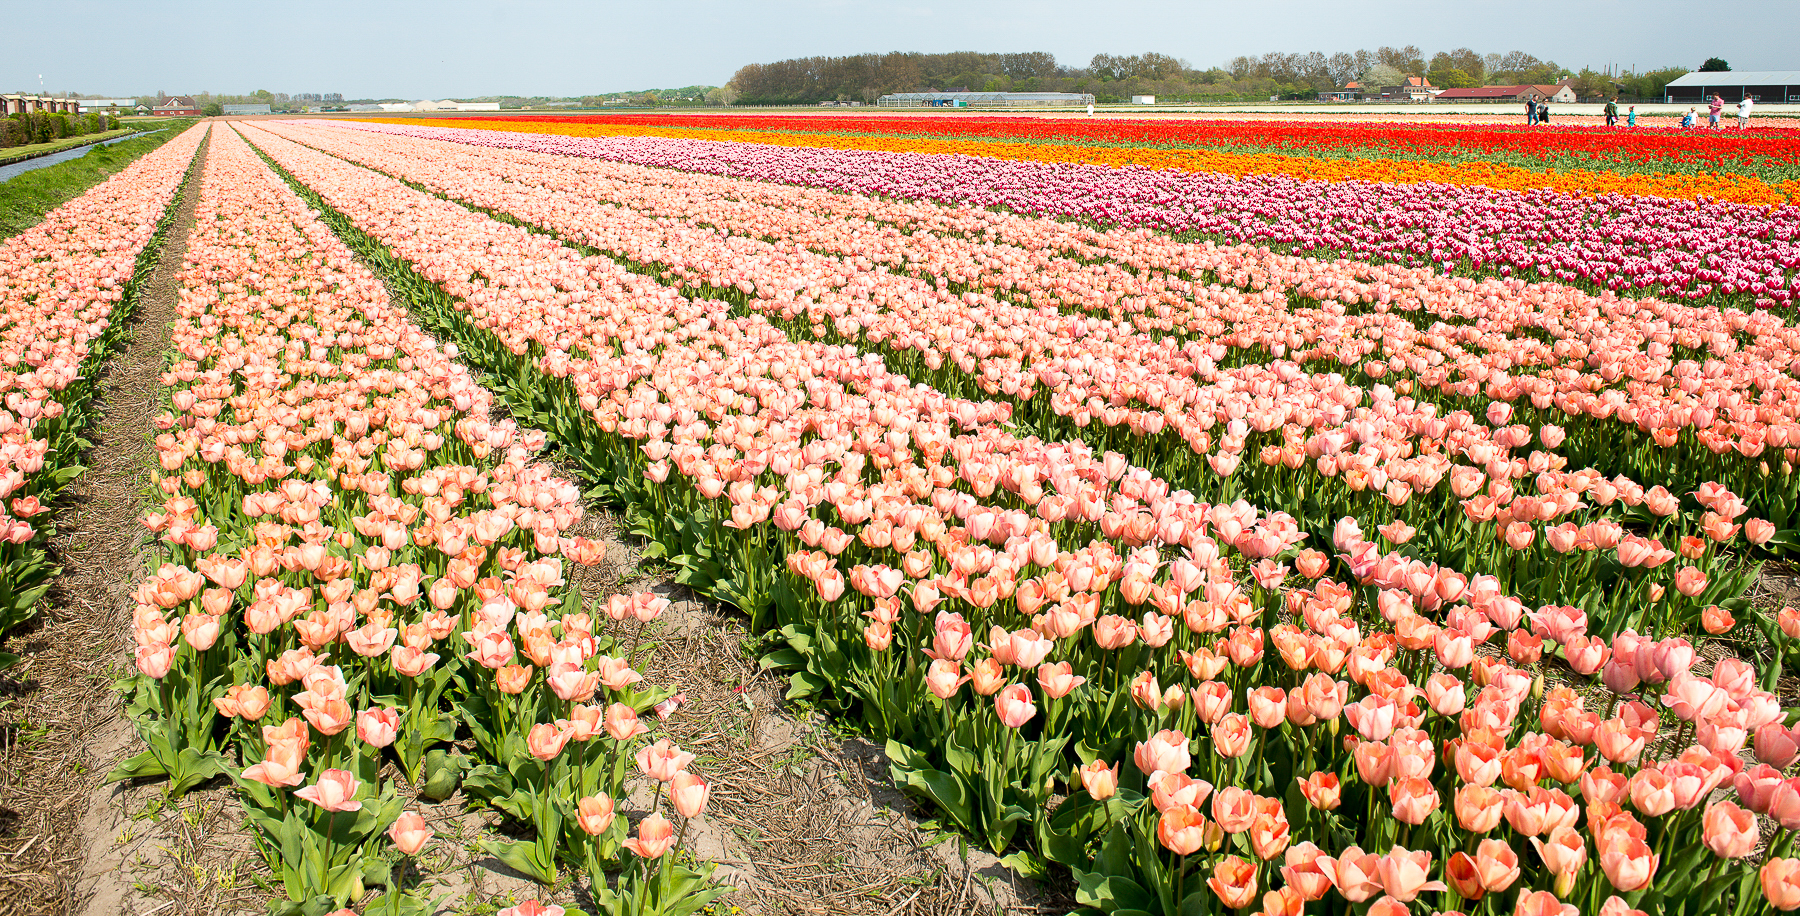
(366, 571)
(1717, 252)
(1768, 152)
(67, 288)
(1586, 556)
(1036, 263)
(1147, 279)
(1010, 668)
(1561, 176)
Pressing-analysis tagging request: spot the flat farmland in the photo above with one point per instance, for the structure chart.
(1178, 514)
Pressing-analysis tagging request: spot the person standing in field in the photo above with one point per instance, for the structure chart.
(1631, 117)
(1744, 111)
(1712, 110)
(1612, 112)
(1692, 118)
(1530, 111)
(1544, 112)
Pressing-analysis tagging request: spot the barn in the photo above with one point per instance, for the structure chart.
(1731, 85)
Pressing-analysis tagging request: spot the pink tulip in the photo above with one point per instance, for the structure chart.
(280, 767)
(1354, 873)
(1729, 831)
(1166, 752)
(594, 814)
(1100, 781)
(655, 836)
(662, 761)
(409, 833)
(335, 790)
(688, 793)
(1180, 830)
(1780, 880)
(378, 727)
(1233, 881)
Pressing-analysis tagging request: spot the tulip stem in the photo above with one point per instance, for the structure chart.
(1180, 879)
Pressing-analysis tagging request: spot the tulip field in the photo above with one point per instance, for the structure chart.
(1199, 529)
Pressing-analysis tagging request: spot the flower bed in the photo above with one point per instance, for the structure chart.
(885, 528)
(365, 568)
(1718, 252)
(1755, 171)
(1664, 150)
(67, 288)
(1394, 457)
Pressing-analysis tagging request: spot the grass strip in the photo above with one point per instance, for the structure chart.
(28, 198)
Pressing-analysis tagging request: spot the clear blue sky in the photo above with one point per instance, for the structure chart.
(416, 49)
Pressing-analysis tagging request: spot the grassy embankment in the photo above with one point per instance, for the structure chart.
(26, 198)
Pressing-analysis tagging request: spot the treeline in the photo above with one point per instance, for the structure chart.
(1459, 69)
(1115, 78)
(867, 77)
(44, 127)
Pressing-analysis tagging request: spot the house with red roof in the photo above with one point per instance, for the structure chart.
(177, 106)
(1558, 93)
(1413, 88)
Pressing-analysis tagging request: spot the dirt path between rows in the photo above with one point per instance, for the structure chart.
(804, 817)
(66, 728)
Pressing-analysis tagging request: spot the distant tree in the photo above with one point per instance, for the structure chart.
(1469, 62)
(1452, 78)
(1592, 84)
(1715, 65)
(1160, 66)
(1109, 67)
(1342, 68)
(1381, 75)
(1029, 65)
(724, 95)
(869, 76)
(1649, 85)
(1410, 61)
(212, 109)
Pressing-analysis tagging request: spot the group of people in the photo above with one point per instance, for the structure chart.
(1612, 114)
(1537, 111)
(1714, 107)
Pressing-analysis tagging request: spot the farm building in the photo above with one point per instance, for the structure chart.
(1557, 93)
(985, 99)
(1414, 89)
(20, 104)
(246, 109)
(177, 106)
(1762, 85)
